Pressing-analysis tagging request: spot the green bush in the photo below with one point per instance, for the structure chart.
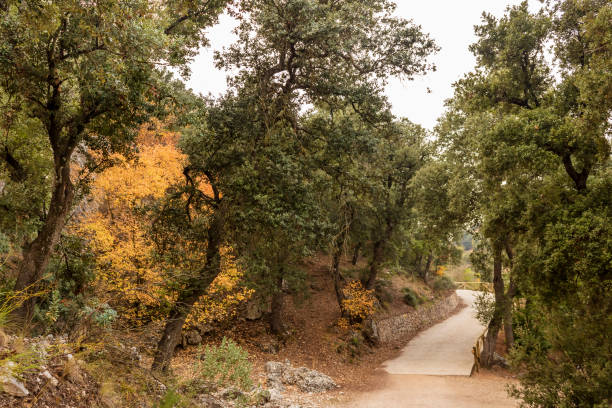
(226, 365)
(171, 399)
(411, 298)
(443, 283)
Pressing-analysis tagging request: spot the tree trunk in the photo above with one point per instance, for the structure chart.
(425, 275)
(487, 355)
(377, 256)
(172, 331)
(276, 317)
(356, 254)
(37, 253)
(508, 327)
(195, 288)
(335, 270)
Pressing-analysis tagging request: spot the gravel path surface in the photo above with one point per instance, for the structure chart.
(433, 371)
(444, 349)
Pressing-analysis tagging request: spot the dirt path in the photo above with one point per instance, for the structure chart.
(444, 349)
(433, 371)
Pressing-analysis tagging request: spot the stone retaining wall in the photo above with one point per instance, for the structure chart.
(408, 324)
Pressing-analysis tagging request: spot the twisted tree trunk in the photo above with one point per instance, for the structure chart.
(196, 287)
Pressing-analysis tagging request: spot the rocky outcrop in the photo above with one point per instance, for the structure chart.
(307, 380)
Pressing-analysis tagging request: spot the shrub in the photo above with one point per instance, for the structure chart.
(359, 302)
(443, 283)
(411, 298)
(171, 399)
(226, 365)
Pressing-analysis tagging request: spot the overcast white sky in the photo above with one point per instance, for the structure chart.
(449, 22)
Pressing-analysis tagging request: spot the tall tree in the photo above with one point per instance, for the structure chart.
(538, 152)
(289, 54)
(402, 151)
(89, 73)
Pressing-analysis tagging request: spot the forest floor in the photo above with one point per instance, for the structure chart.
(314, 338)
(116, 362)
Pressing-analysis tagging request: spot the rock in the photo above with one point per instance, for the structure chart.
(370, 332)
(204, 329)
(276, 394)
(135, 355)
(254, 310)
(11, 386)
(499, 360)
(193, 338)
(260, 396)
(230, 394)
(268, 345)
(307, 380)
(52, 380)
(274, 373)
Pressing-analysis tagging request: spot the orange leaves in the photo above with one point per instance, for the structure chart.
(358, 302)
(224, 295)
(117, 234)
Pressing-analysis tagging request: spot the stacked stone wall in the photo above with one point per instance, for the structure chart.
(407, 325)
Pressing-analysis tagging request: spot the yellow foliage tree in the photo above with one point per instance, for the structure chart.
(117, 233)
(358, 304)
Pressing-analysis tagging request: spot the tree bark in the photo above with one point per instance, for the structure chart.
(508, 325)
(487, 355)
(335, 271)
(425, 275)
(37, 253)
(510, 294)
(278, 298)
(195, 288)
(356, 254)
(378, 253)
(377, 256)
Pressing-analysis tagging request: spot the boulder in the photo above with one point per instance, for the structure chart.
(254, 311)
(305, 379)
(193, 338)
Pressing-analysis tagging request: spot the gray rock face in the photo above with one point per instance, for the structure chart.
(305, 379)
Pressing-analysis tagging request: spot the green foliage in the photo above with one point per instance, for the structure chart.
(226, 365)
(70, 297)
(411, 298)
(485, 306)
(530, 153)
(443, 283)
(171, 399)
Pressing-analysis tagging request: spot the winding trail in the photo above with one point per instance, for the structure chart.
(444, 349)
(433, 370)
